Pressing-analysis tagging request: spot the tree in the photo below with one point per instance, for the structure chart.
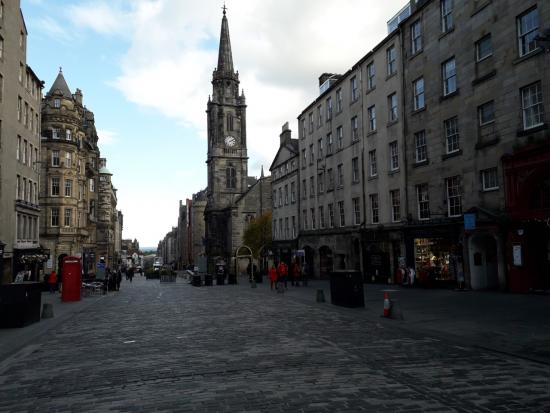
(258, 233)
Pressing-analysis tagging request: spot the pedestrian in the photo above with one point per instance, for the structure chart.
(130, 273)
(52, 281)
(305, 273)
(118, 279)
(460, 273)
(412, 275)
(249, 271)
(282, 271)
(296, 273)
(273, 277)
(107, 280)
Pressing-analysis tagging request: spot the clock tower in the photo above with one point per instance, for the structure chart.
(227, 159)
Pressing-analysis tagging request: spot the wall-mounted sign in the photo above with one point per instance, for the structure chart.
(516, 254)
(469, 222)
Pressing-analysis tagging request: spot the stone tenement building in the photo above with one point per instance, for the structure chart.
(432, 151)
(167, 248)
(20, 96)
(183, 236)
(198, 206)
(233, 198)
(285, 187)
(78, 202)
(476, 102)
(107, 216)
(351, 138)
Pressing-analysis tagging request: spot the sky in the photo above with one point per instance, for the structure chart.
(145, 70)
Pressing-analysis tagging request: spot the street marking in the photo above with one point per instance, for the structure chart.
(129, 341)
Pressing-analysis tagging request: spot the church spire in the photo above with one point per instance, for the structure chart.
(225, 58)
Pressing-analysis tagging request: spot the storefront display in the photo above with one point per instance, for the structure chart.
(433, 259)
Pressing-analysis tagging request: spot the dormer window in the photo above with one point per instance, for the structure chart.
(56, 103)
(68, 134)
(55, 133)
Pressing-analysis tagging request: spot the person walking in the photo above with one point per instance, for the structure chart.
(118, 279)
(273, 277)
(130, 273)
(52, 281)
(296, 273)
(282, 271)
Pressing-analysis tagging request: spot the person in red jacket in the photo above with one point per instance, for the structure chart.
(273, 276)
(282, 271)
(52, 281)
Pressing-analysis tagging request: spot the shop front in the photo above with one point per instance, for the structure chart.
(435, 253)
(28, 263)
(528, 204)
(88, 261)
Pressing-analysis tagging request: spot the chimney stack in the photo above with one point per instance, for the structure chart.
(285, 135)
(78, 96)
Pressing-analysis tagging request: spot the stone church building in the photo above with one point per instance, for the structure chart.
(233, 198)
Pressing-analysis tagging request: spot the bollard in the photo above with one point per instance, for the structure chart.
(253, 284)
(320, 296)
(47, 310)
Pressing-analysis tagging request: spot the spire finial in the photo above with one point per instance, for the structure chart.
(60, 69)
(225, 59)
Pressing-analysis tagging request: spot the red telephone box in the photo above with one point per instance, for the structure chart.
(72, 279)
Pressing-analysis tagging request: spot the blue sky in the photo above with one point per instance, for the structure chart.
(144, 67)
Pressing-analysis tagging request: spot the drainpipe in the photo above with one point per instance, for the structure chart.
(403, 139)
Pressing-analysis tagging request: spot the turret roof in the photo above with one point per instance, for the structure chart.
(61, 85)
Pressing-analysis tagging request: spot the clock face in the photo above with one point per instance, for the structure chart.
(230, 140)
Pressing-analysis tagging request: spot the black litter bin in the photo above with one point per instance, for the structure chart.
(20, 304)
(220, 279)
(232, 279)
(258, 278)
(208, 280)
(346, 288)
(196, 280)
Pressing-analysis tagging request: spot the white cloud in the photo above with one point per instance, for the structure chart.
(100, 16)
(280, 47)
(52, 28)
(107, 137)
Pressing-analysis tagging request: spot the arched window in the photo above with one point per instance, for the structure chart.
(229, 122)
(231, 177)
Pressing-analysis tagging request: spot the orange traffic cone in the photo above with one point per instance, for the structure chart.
(387, 304)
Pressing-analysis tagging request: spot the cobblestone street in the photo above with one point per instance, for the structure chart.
(173, 347)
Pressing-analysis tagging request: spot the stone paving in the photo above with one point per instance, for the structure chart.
(173, 347)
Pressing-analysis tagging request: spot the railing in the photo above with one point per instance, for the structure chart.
(67, 230)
